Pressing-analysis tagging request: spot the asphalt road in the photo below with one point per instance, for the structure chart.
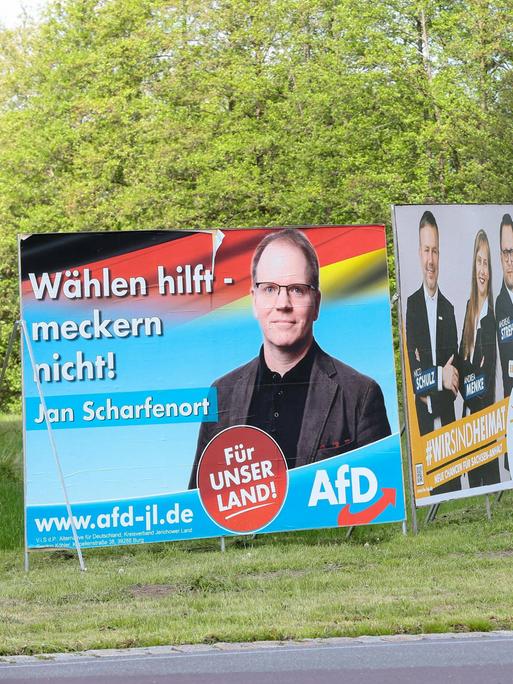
(465, 659)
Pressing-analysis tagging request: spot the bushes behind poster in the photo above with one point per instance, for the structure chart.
(456, 282)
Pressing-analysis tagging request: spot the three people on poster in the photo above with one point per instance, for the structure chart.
(441, 369)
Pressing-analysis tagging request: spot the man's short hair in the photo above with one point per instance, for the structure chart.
(427, 219)
(506, 221)
(294, 237)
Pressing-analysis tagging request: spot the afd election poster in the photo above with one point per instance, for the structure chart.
(205, 383)
(455, 268)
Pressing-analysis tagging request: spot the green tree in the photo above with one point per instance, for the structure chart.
(143, 114)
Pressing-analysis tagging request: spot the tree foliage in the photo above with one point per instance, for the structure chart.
(144, 114)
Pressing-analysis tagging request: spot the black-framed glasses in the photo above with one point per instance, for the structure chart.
(295, 291)
(507, 254)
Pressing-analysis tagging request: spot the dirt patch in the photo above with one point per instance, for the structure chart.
(153, 590)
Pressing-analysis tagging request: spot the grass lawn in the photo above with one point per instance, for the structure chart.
(454, 576)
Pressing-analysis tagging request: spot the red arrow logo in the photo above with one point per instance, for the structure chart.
(346, 518)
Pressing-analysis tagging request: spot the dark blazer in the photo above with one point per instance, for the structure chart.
(419, 341)
(482, 363)
(344, 410)
(504, 317)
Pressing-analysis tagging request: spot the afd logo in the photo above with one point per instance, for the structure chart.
(362, 486)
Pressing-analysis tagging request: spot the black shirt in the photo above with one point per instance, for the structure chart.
(278, 403)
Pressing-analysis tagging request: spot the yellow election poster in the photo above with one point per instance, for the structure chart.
(455, 273)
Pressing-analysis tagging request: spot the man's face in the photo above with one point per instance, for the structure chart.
(286, 322)
(428, 252)
(507, 259)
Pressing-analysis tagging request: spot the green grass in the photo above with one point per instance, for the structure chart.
(454, 576)
(11, 483)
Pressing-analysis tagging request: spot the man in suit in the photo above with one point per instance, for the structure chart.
(312, 404)
(504, 305)
(431, 338)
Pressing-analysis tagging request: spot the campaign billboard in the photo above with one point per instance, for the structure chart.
(456, 295)
(188, 384)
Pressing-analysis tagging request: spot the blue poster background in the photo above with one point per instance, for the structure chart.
(135, 464)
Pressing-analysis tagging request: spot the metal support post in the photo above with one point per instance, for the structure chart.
(54, 448)
(395, 300)
(433, 510)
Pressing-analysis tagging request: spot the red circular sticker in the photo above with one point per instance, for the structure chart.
(242, 478)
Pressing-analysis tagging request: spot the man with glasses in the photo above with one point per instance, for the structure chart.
(504, 305)
(313, 405)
